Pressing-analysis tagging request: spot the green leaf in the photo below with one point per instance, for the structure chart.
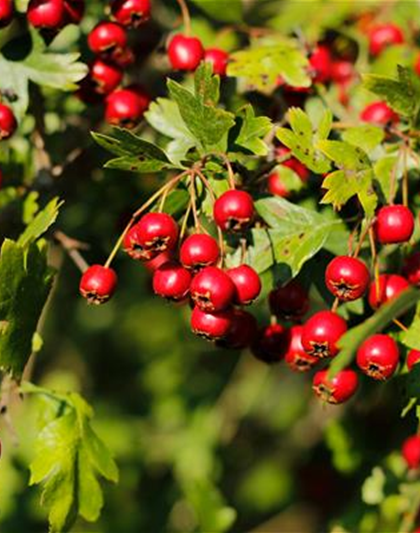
(25, 282)
(383, 170)
(40, 224)
(207, 86)
(252, 131)
(373, 487)
(366, 137)
(344, 155)
(231, 11)
(411, 337)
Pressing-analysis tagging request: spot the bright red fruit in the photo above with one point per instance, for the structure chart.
(212, 289)
(413, 357)
(338, 389)
(271, 343)
(276, 186)
(73, 11)
(247, 284)
(386, 288)
(347, 278)
(321, 64)
(296, 357)
(378, 357)
(198, 251)
(130, 12)
(384, 35)
(411, 451)
(378, 113)
(417, 65)
(218, 58)
(106, 37)
(342, 71)
(290, 302)
(47, 14)
(185, 53)
(394, 224)
(172, 281)
(105, 75)
(8, 123)
(411, 269)
(233, 210)
(126, 107)
(322, 332)
(157, 261)
(98, 284)
(6, 12)
(242, 331)
(153, 234)
(291, 162)
(212, 326)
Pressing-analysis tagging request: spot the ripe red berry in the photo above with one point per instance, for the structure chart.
(394, 224)
(153, 234)
(233, 210)
(47, 14)
(131, 12)
(285, 158)
(413, 357)
(384, 35)
(417, 65)
(347, 278)
(106, 37)
(218, 58)
(73, 11)
(153, 264)
(247, 284)
(386, 288)
(336, 390)
(378, 113)
(242, 332)
(276, 186)
(6, 12)
(198, 251)
(185, 53)
(321, 64)
(98, 284)
(212, 289)
(126, 107)
(271, 343)
(105, 75)
(290, 302)
(296, 357)
(8, 123)
(212, 326)
(172, 281)
(411, 269)
(322, 332)
(342, 71)
(411, 451)
(378, 357)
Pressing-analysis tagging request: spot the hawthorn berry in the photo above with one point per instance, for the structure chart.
(198, 251)
(130, 12)
(290, 302)
(218, 59)
(73, 11)
(342, 71)
(378, 356)
(105, 75)
(417, 65)
(153, 234)
(411, 451)
(172, 281)
(212, 326)
(126, 107)
(233, 210)
(413, 357)
(378, 113)
(322, 332)
(411, 268)
(347, 278)
(212, 289)
(98, 284)
(185, 53)
(107, 37)
(383, 35)
(157, 261)
(46, 14)
(242, 332)
(291, 162)
(247, 284)
(6, 12)
(296, 357)
(394, 224)
(321, 64)
(8, 123)
(386, 288)
(270, 344)
(338, 389)
(276, 186)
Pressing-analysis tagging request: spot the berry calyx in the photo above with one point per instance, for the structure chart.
(386, 288)
(247, 284)
(211, 326)
(347, 278)
(233, 210)
(105, 75)
(185, 53)
(383, 35)
(394, 224)
(8, 123)
(411, 268)
(296, 357)
(172, 281)
(290, 302)
(46, 14)
(198, 251)
(242, 332)
(107, 37)
(212, 289)
(413, 357)
(411, 451)
(321, 334)
(126, 107)
(378, 357)
(338, 389)
(6, 12)
(98, 284)
(218, 59)
(270, 344)
(378, 113)
(130, 12)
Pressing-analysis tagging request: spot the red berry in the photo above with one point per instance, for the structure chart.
(218, 58)
(234, 210)
(106, 37)
(394, 224)
(417, 65)
(98, 284)
(413, 357)
(153, 234)
(378, 357)
(212, 289)
(73, 11)
(126, 107)
(47, 14)
(105, 75)
(131, 12)
(247, 284)
(6, 12)
(347, 278)
(322, 332)
(198, 251)
(342, 71)
(386, 288)
(185, 53)
(291, 162)
(276, 186)
(336, 390)
(242, 332)
(8, 123)
(411, 451)
(172, 281)
(290, 302)
(212, 326)
(384, 35)
(411, 269)
(321, 64)
(153, 264)
(296, 357)
(271, 344)
(378, 113)
(124, 57)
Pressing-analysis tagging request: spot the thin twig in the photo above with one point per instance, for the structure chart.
(72, 247)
